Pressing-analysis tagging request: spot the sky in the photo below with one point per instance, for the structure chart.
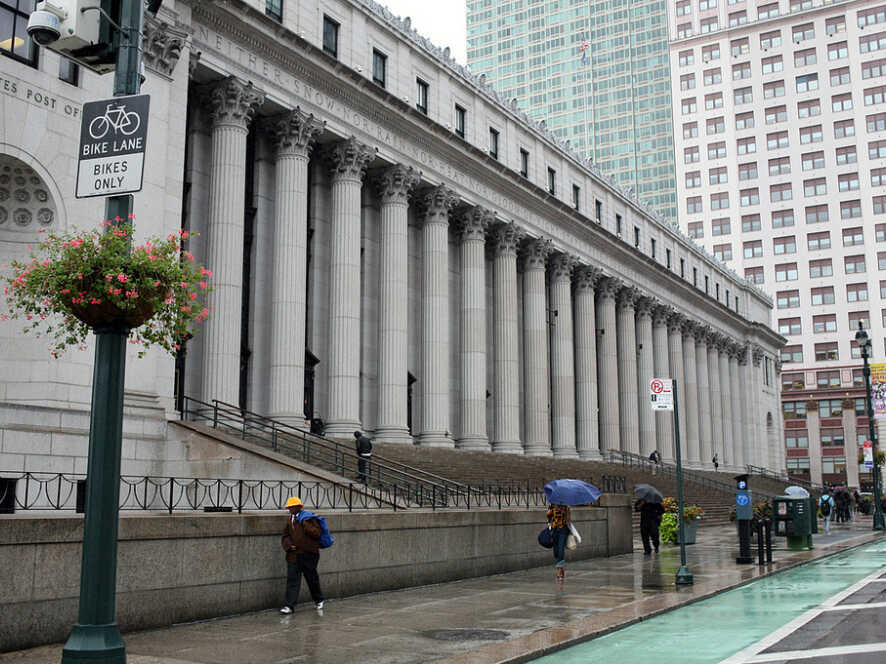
(441, 21)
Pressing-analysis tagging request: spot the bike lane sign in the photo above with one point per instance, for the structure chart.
(113, 137)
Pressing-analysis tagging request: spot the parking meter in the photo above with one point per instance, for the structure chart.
(744, 514)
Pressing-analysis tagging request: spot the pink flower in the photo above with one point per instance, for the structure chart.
(193, 296)
(156, 283)
(95, 300)
(109, 277)
(122, 278)
(79, 275)
(204, 285)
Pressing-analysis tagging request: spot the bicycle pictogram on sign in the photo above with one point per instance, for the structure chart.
(116, 117)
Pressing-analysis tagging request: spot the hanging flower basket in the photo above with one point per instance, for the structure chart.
(96, 280)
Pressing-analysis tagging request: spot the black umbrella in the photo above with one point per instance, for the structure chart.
(648, 493)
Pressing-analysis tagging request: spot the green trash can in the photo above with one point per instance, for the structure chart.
(793, 518)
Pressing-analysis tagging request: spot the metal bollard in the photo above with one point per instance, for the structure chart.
(760, 555)
(767, 523)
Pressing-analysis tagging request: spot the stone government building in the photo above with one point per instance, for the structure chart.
(395, 248)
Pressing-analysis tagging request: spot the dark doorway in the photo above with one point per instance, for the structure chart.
(410, 380)
(246, 292)
(311, 362)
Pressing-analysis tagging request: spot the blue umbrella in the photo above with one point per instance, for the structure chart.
(571, 492)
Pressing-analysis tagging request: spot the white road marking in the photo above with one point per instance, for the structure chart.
(857, 607)
(835, 651)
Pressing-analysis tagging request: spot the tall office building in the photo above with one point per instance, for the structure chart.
(780, 130)
(596, 72)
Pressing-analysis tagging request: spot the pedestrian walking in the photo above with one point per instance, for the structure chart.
(302, 541)
(655, 458)
(364, 453)
(716, 462)
(826, 507)
(558, 517)
(650, 520)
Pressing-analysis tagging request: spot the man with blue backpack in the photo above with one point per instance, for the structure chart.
(305, 534)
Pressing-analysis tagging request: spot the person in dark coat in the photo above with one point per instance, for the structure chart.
(364, 453)
(558, 517)
(650, 519)
(301, 543)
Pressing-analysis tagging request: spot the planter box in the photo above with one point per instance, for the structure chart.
(690, 529)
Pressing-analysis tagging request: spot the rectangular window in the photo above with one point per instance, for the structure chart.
(708, 25)
(784, 245)
(840, 76)
(800, 5)
(748, 197)
(876, 122)
(636, 237)
(273, 8)
(738, 18)
(770, 40)
(720, 226)
(805, 58)
(786, 272)
(695, 277)
(750, 222)
(694, 205)
(856, 292)
(853, 236)
(742, 121)
(780, 192)
(831, 438)
(773, 64)
(848, 182)
(711, 52)
(811, 134)
(879, 204)
(713, 101)
(830, 407)
(809, 108)
(421, 96)
(796, 438)
(686, 58)
(552, 181)
(524, 163)
(690, 130)
(713, 76)
(380, 68)
(818, 241)
(767, 11)
(773, 89)
(684, 30)
(838, 51)
(844, 128)
(780, 166)
(668, 257)
(754, 274)
(617, 218)
(687, 82)
(850, 209)
(803, 32)
(741, 71)
(682, 268)
(652, 248)
(720, 201)
(683, 8)
(68, 71)
(787, 299)
(835, 26)
(753, 248)
(777, 140)
(817, 214)
(460, 122)
(877, 150)
(875, 96)
(846, 155)
(872, 43)
(776, 114)
(794, 410)
(854, 264)
(693, 179)
(880, 233)
(821, 268)
(821, 296)
(576, 196)
(807, 82)
(871, 16)
(783, 219)
(873, 69)
(330, 36)
(743, 96)
(598, 214)
(715, 126)
(812, 161)
(718, 150)
(878, 177)
(745, 146)
(688, 106)
(747, 171)
(824, 323)
(789, 326)
(859, 320)
(493, 143)
(815, 187)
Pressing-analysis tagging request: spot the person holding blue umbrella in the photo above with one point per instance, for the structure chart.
(561, 494)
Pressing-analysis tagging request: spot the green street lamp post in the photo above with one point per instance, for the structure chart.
(96, 636)
(864, 343)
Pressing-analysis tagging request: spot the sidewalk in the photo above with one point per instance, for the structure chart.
(479, 621)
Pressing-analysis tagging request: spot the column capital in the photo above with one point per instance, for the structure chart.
(608, 287)
(723, 343)
(349, 158)
(437, 203)
(293, 132)
(396, 183)
(661, 314)
(675, 321)
(703, 333)
(756, 354)
(562, 266)
(645, 306)
(474, 222)
(628, 296)
(687, 325)
(231, 102)
(586, 277)
(535, 253)
(742, 353)
(506, 239)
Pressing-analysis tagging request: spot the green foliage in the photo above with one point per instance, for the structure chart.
(74, 280)
(879, 456)
(690, 512)
(667, 531)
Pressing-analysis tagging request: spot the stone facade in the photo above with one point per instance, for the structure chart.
(378, 270)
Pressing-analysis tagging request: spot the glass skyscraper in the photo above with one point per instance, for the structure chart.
(597, 73)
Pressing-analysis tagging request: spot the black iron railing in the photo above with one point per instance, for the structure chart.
(65, 492)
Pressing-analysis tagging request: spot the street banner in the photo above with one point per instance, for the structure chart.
(661, 394)
(878, 390)
(868, 454)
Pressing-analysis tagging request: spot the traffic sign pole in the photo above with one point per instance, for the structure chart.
(96, 635)
(684, 576)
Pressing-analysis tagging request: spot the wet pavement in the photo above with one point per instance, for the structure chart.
(504, 618)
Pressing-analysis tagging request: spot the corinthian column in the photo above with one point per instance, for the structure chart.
(294, 134)
(607, 364)
(506, 398)
(586, 422)
(728, 445)
(735, 398)
(435, 426)
(645, 365)
(231, 106)
(690, 395)
(535, 349)
(675, 358)
(703, 385)
(627, 371)
(664, 429)
(472, 230)
(348, 161)
(562, 357)
(394, 187)
(716, 399)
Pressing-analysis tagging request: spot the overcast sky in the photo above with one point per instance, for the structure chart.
(442, 21)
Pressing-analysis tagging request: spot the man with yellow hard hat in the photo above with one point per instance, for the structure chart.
(301, 542)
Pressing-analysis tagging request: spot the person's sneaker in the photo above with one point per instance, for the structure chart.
(286, 609)
(320, 605)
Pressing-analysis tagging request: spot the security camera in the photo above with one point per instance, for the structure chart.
(44, 24)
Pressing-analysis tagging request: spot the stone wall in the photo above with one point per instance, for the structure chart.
(190, 566)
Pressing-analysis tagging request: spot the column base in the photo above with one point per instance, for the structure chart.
(342, 429)
(590, 455)
(565, 454)
(507, 447)
(473, 444)
(398, 435)
(434, 439)
(538, 451)
(298, 421)
(95, 643)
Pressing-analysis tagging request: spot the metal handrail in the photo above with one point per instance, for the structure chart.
(287, 439)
